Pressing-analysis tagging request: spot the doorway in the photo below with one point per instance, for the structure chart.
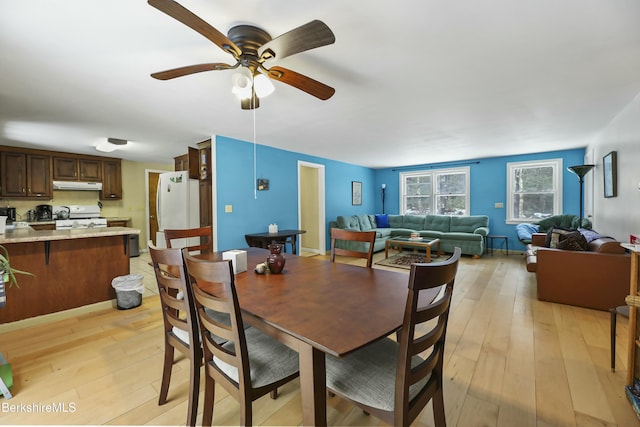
(151, 178)
(311, 208)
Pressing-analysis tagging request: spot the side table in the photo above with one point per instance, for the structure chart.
(491, 238)
(263, 240)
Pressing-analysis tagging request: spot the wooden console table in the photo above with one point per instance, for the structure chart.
(263, 240)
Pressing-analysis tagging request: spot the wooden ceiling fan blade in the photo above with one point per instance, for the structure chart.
(190, 69)
(302, 82)
(308, 36)
(188, 18)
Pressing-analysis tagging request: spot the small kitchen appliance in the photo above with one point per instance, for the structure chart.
(10, 213)
(44, 213)
(79, 216)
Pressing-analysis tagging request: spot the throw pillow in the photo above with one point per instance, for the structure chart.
(382, 221)
(589, 235)
(553, 236)
(573, 241)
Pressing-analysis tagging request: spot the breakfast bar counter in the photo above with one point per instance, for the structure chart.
(71, 268)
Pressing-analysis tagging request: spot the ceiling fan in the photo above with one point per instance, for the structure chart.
(251, 46)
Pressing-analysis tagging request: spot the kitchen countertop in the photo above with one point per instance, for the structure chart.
(53, 221)
(28, 234)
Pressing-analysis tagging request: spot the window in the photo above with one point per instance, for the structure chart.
(444, 191)
(534, 190)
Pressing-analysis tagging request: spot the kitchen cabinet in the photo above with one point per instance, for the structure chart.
(111, 180)
(188, 162)
(74, 168)
(24, 175)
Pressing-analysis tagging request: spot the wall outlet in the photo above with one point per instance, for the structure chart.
(499, 205)
(228, 208)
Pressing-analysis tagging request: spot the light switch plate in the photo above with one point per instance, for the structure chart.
(228, 208)
(499, 205)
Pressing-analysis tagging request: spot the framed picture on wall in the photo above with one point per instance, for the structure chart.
(610, 173)
(356, 193)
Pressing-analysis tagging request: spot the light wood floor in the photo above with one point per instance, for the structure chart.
(510, 361)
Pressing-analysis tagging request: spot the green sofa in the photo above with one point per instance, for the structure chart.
(466, 232)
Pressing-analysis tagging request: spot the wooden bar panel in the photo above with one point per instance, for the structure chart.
(79, 273)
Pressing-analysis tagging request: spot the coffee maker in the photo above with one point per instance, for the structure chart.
(44, 212)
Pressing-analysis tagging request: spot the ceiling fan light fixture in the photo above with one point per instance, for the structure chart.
(262, 85)
(242, 82)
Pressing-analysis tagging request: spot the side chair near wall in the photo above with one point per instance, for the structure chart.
(250, 364)
(204, 233)
(358, 236)
(390, 379)
(180, 323)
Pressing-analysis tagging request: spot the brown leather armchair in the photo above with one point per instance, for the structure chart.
(597, 278)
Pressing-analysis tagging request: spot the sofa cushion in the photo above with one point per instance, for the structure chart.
(468, 224)
(382, 221)
(348, 222)
(437, 223)
(413, 222)
(365, 223)
(395, 221)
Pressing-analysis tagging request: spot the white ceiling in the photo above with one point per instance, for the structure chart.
(417, 81)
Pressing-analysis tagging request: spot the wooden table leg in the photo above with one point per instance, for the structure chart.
(313, 387)
(428, 253)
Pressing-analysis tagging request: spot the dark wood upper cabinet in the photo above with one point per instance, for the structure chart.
(65, 168)
(111, 180)
(74, 168)
(90, 169)
(189, 162)
(39, 176)
(25, 175)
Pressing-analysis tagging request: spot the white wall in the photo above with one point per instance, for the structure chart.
(619, 216)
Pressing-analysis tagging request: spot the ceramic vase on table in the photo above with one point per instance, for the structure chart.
(276, 260)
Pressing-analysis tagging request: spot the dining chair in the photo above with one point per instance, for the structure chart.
(204, 233)
(393, 380)
(355, 236)
(180, 323)
(250, 363)
(622, 310)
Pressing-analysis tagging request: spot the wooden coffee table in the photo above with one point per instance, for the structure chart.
(423, 243)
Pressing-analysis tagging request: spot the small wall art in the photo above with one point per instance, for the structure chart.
(610, 173)
(263, 184)
(356, 193)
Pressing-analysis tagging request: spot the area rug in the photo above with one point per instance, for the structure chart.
(405, 259)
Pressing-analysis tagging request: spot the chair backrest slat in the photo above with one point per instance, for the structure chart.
(204, 233)
(356, 236)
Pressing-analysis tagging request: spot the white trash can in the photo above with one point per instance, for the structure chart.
(129, 290)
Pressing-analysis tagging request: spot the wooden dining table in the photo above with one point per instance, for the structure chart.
(317, 307)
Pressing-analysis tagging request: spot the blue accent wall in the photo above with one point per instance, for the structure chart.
(489, 186)
(253, 212)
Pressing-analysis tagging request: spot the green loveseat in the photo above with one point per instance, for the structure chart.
(466, 232)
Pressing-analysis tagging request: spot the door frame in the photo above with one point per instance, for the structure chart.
(322, 233)
(147, 172)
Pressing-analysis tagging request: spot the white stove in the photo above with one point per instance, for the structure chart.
(79, 216)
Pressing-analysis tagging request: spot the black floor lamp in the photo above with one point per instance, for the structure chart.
(384, 187)
(580, 171)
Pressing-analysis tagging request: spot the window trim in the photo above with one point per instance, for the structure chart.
(466, 170)
(556, 164)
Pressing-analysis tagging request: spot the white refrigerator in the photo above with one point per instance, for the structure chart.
(177, 206)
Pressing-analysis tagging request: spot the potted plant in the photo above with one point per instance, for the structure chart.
(7, 274)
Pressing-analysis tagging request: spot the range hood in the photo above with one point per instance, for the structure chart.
(77, 185)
